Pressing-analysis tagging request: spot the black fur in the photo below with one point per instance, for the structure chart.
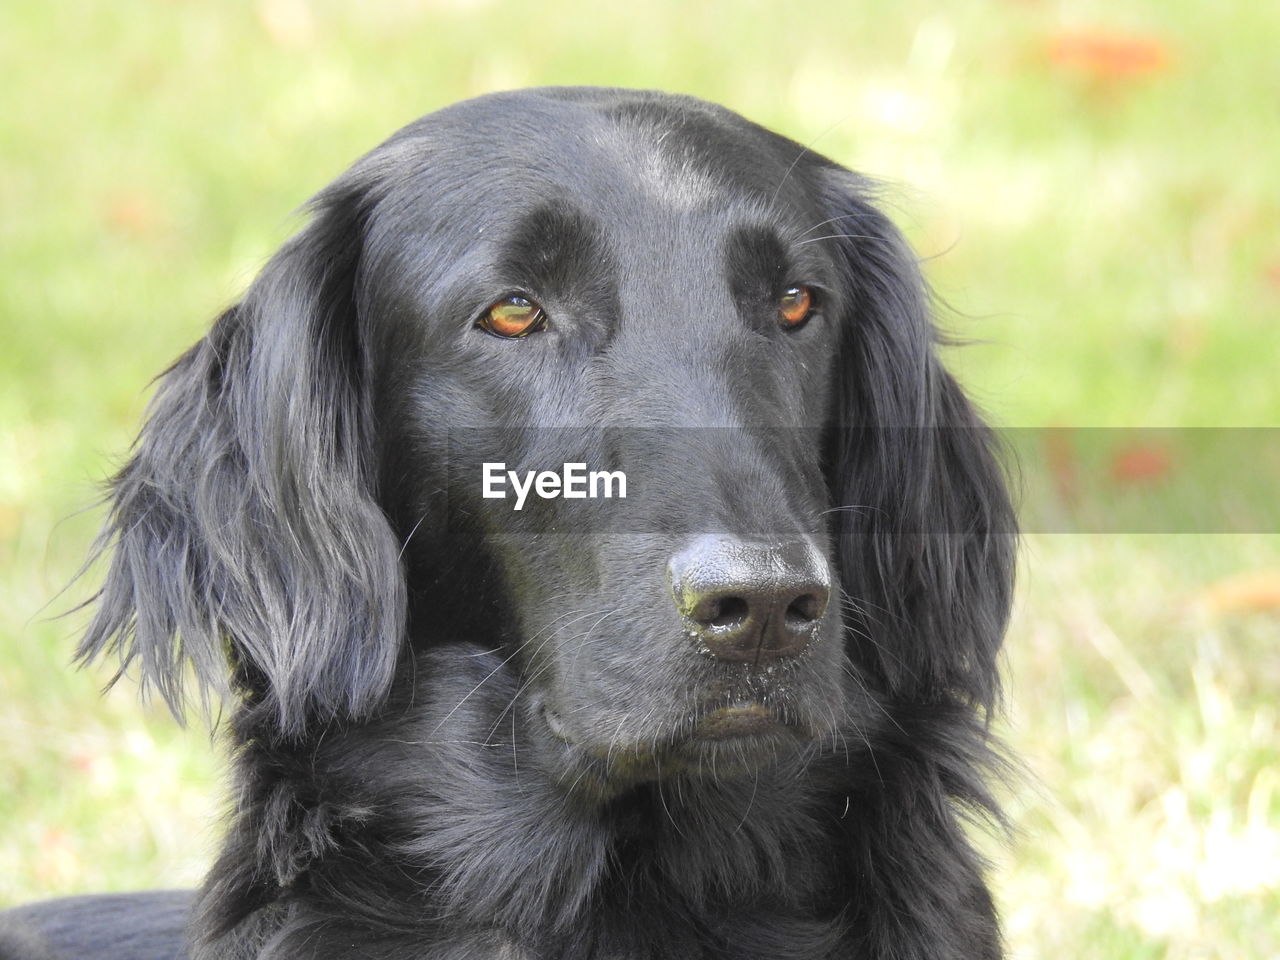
(463, 731)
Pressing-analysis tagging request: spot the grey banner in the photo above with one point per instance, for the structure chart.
(780, 482)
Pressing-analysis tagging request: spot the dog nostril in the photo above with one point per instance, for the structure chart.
(805, 609)
(748, 601)
(727, 612)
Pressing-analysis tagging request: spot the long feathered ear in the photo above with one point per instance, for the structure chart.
(243, 533)
(926, 543)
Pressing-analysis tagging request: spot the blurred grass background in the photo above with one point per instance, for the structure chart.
(1096, 184)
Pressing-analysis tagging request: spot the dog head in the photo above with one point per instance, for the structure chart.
(606, 282)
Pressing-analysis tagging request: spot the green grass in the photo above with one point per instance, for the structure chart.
(1114, 243)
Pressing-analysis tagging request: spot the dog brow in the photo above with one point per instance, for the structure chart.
(558, 248)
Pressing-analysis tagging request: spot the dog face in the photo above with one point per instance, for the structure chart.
(699, 615)
(640, 284)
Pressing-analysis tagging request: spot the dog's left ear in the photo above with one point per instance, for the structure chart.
(244, 533)
(926, 529)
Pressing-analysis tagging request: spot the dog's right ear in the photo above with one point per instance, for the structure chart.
(243, 532)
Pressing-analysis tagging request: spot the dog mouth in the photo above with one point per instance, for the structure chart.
(721, 740)
(741, 721)
(737, 721)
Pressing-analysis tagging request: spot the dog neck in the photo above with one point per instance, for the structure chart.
(496, 838)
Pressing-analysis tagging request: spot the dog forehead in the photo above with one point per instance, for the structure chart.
(633, 186)
(662, 176)
(613, 150)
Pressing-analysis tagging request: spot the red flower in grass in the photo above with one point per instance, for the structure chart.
(1106, 56)
(1140, 464)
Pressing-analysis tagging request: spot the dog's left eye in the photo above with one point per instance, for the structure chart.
(513, 317)
(795, 306)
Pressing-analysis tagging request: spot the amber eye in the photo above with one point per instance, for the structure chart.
(513, 317)
(795, 306)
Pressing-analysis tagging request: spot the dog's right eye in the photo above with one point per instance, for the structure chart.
(795, 307)
(513, 317)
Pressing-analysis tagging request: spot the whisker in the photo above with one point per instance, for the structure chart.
(404, 546)
(755, 785)
(838, 236)
(492, 673)
(807, 149)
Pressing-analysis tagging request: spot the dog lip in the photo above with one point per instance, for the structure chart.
(738, 720)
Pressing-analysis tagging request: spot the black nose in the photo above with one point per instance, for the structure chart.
(751, 601)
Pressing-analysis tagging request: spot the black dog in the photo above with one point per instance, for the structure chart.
(740, 713)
